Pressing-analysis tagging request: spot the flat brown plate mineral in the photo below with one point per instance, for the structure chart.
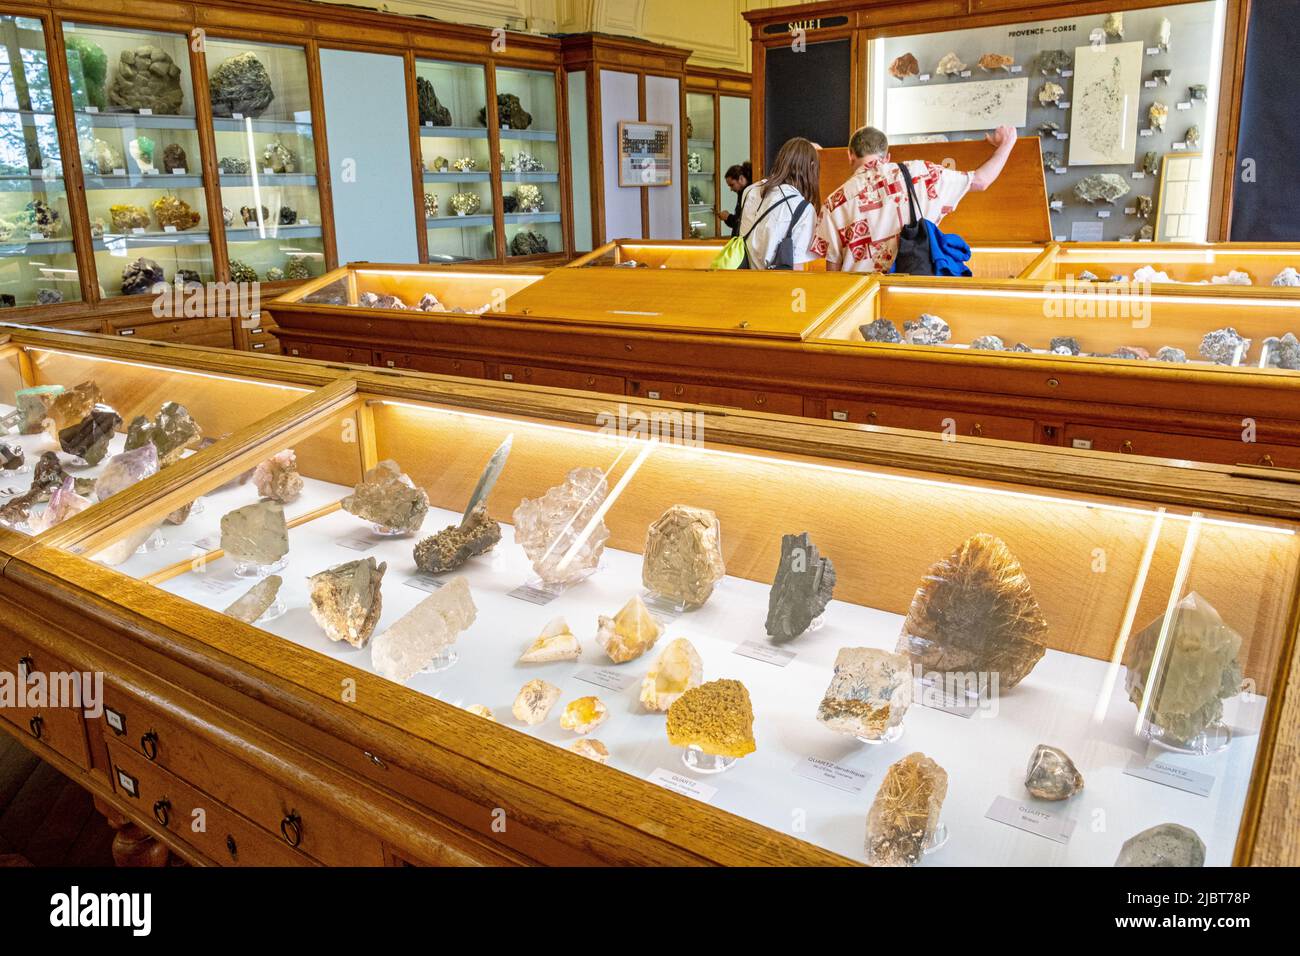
(89, 438)
(683, 555)
(389, 499)
(255, 534)
(905, 814)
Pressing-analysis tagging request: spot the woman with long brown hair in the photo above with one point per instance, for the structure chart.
(779, 214)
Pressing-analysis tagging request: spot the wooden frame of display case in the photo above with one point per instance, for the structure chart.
(205, 711)
(715, 83)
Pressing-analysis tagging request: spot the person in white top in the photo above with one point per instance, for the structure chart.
(783, 205)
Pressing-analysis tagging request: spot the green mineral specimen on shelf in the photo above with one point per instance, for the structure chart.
(241, 85)
(88, 71)
(233, 166)
(147, 78)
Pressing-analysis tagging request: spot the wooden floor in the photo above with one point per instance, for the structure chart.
(45, 818)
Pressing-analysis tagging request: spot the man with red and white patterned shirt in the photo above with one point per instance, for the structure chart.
(860, 222)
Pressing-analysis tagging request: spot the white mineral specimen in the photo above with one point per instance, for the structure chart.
(415, 639)
(555, 643)
(629, 633)
(560, 532)
(535, 700)
(678, 669)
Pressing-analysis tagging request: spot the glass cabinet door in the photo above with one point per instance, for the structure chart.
(38, 263)
(701, 165)
(137, 138)
(266, 160)
(456, 157)
(530, 162)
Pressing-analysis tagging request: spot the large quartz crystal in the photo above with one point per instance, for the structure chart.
(717, 718)
(388, 498)
(1196, 671)
(240, 84)
(257, 600)
(146, 78)
(346, 600)
(64, 503)
(976, 612)
(1166, 844)
(255, 534)
(629, 633)
(173, 433)
(683, 555)
(869, 692)
(34, 405)
(678, 669)
(410, 644)
(584, 715)
(88, 440)
(905, 814)
(277, 478)
(1101, 187)
(805, 580)
(560, 531)
(124, 470)
(534, 702)
(555, 643)
(71, 406)
(455, 544)
(1051, 774)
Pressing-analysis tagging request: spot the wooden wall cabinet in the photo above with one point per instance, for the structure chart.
(717, 131)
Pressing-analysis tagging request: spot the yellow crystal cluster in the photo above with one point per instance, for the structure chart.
(716, 717)
(629, 633)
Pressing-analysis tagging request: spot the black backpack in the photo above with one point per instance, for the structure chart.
(785, 248)
(915, 257)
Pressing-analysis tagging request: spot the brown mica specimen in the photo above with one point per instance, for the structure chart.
(277, 478)
(905, 814)
(454, 545)
(71, 407)
(996, 61)
(976, 612)
(346, 601)
(716, 717)
(904, 66)
(388, 498)
(683, 555)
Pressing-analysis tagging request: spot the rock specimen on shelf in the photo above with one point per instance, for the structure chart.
(49, 475)
(250, 215)
(1020, 347)
(227, 216)
(33, 405)
(430, 205)
(975, 612)
(181, 514)
(1163, 32)
(88, 71)
(43, 218)
(1050, 94)
(584, 715)
(277, 478)
(869, 692)
(1196, 671)
(1197, 91)
(420, 635)
(528, 198)
(988, 343)
(716, 717)
(591, 749)
(1051, 774)
(173, 433)
(927, 330)
(17, 511)
(534, 702)
(100, 158)
(274, 274)
(1157, 114)
(146, 78)
(1170, 354)
(70, 406)
(389, 499)
(12, 457)
(949, 65)
(905, 814)
(124, 217)
(255, 534)
(429, 303)
(1193, 137)
(1053, 61)
(996, 61)
(1150, 163)
(279, 158)
(1051, 159)
(480, 710)
(629, 633)
(233, 166)
(529, 243)
(142, 276)
(174, 159)
(240, 84)
(455, 544)
(1101, 187)
(122, 471)
(430, 108)
(904, 66)
(346, 600)
(881, 330)
(804, 583)
(555, 643)
(1166, 844)
(1048, 129)
(373, 300)
(1287, 277)
(1144, 206)
(1224, 347)
(553, 529)
(1234, 277)
(510, 113)
(678, 669)
(1162, 76)
(1114, 25)
(1283, 352)
(683, 556)
(64, 503)
(1150, 275)
(257, 600)
(297, 267)
(1131, 352)
(465, 204)
(288, 215)
(88, 439)
(48, 296)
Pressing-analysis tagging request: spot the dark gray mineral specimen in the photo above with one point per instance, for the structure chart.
(804, 583)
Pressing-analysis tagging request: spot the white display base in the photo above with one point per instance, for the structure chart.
(985, 755)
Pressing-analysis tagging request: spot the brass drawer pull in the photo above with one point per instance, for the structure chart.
(1266, 461)
(37, 726)
(162, 811)
(149, 745)
(977, 430)
(291, 828)
(1126, 448)
(375, 759)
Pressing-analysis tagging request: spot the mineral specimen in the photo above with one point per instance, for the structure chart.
(717, 718)
(88, 439)
(1162, 76)
(34, 403)
(279, 158)
(125, 217)
(12, 457)
(1051, 159)
(274, 274)
(255, 534)
(1114, 25)
(996, 61)
(1150, 163)
(1131, 352)
(555, 643)
(683, 556)
(388, 498)
(88, 70)
(173, 433)
(1224, 347)
(904, 66)
(257, 600)
(430, 108)
(510, 113)
(1196, 671)
(69, 406)
(101, 158)
(277, 478)
(1145, 234)
(1163, 32)
(949, 65)
(1170, 354)
(904, 817)
(233, 166)
(988, 343)
(455, 544)
(297, 267)
(429, 303)
(1049, 128)
(141, 276)
(174, 158)
(43, 218)
(1021, 347)
(479, 710)
(146, 78)
(346, 600)
(430, 205)
(881, 330)
(553, 529)
(869, 692)
(1101, 187)
(975, 612)
(48, 296)
(1234, 277)
(416, 638)
(1166, 844)
(373, 300)
(227, 215)
(927, 330)
(124, 470)
(1050, 94)
(1283, 352)
(584, 715)
(1197, 91)
(805, 580)
(464, 204)
(1157, 114)
(64, 503)
(17, 511)
(465, 164)
(591, 749)
(629, 633)
(175, 212)
(1053, 61)
(528, 243)
(678, 669)
(288, 215)
(1051, 774)
(250, 215)
(241, 271)
(1144, 206)
(240, 84)
(1193, 137)
(528, 198)
(1287, 277)
(534, 702)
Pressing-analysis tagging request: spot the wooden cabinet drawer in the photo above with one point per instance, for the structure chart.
(193, 817)
(322, 834)
(328, 353)
(174, 330)
(437, 364)
(1224, 451)
(59, 723)
(562, 378)
(965, 424)
(751, 400)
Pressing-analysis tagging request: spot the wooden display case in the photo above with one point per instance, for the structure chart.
(717, 111)
(1183, 263)
(249, 722)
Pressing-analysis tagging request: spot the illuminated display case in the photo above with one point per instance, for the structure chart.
(717, 138)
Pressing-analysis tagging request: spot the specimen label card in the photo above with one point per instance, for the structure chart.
(359, 542)
(832, 774)
(683, 784)
(609, 678)
(534, 595)
(941, 698)
(1170, 775)
(424, 582)
(765, 653)
(1020, 814)
(215, 585)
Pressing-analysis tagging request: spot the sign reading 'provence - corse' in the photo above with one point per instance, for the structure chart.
(807, 26)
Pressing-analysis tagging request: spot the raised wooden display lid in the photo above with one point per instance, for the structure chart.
(1014, 209)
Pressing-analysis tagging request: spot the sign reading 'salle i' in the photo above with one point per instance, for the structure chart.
(806, 26)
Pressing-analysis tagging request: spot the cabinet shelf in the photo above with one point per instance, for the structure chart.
(538, 177)
(477, 176)
(701, 144)
(110, 241)
(19, 183)
(267, 179)
(453, 132)
(525, 218)
(49, 247)
(227, 124)
(536, 135)
(252, 234)
(459, 222)
(140, 181)
(134, 120)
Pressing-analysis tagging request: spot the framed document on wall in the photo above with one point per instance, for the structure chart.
(645, 154)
